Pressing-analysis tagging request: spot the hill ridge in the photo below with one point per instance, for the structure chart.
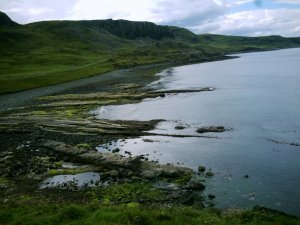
(49, 52)
(6, 21)
(121, 28)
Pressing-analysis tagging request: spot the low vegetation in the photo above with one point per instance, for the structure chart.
(133, 213)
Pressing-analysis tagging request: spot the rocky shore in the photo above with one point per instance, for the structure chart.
(49, 158)
(57, 135)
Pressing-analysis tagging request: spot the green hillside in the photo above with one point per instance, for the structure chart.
(45, 53)
(229, 44)
(5, 21)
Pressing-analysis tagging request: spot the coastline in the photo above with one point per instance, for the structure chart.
(20, 98)
(31, 121)
(25, 97)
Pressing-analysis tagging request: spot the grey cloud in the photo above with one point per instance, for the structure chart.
(200, 16)
(187, 13)
(282, 22)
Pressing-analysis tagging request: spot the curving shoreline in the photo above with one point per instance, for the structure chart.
(63, 118)
(88, 84)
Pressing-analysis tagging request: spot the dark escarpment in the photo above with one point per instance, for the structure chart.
(5, 21)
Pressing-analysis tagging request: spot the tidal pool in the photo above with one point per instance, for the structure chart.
(88, 179)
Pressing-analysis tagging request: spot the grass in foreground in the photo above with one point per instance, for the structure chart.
(132, 213)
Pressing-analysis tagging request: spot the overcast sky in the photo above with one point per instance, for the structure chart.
(231, 17)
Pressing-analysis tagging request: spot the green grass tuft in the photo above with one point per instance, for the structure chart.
(116, 215)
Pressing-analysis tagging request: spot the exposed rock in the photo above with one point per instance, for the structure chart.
(209, 174)
(96, 158)
(284, 142)
(195, 185)
(130, 173)
(201, 169)
(211, 129)
(133, 163)
(150, 174)
(166, 186)
(185, 90)
(115, 150)
(148, 140)
(62, 147)
(92, 157)
(211, 196)
(113, 173)
(3, 186)
(127, 152)
(176, 171)
(148, 169)
(135, 178)
(191, 198)
(179, 127)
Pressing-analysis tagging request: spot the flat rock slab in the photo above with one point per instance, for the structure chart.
(145, 169)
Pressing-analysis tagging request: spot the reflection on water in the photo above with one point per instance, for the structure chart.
(258, 95)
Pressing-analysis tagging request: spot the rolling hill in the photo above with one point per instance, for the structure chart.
(50, 52)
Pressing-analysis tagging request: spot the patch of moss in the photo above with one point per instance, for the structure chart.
(132, 205)
(2, 127)
(58, 164)
(132, 192)
(66, 113)
(4, 180)
(183, 179)
(72, 171)
(84, 145)
(39, 113)
(21, 199)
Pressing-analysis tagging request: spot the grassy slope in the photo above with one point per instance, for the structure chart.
(133, 214)
(232, 44)
(46, 53)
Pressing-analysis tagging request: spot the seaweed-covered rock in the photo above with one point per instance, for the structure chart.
(179, 127)
(211, 196)
(201, 169)
(151, 174)
(209, 174)
(113, 173)
(211, 129)
(195, 185)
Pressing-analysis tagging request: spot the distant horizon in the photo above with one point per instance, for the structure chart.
(223, 17)
(148, 22)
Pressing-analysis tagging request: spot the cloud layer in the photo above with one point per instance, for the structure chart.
(232, 17)
(254, 23)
